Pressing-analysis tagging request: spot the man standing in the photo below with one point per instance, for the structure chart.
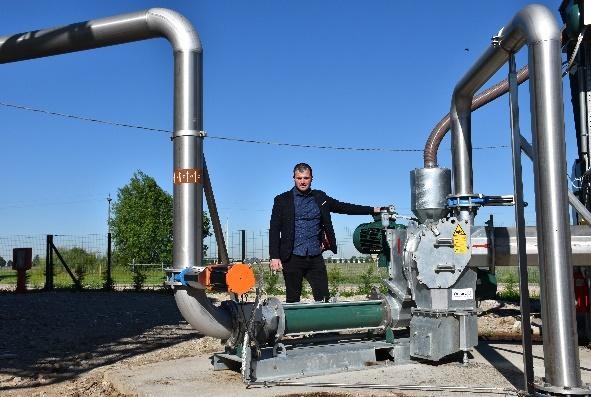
(301, 229)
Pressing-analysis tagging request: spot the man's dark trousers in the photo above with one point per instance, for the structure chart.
(311, 268)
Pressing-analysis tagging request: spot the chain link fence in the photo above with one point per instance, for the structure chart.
(86, 258)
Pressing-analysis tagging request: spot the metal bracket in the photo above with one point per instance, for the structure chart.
(179, 133)
(176, 277)
(479, 200)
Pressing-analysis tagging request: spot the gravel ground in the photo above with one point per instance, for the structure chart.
(61, 343)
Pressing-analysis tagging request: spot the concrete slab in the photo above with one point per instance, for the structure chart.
(496, 367)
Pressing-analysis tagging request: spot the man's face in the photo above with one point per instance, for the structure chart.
(303, 180)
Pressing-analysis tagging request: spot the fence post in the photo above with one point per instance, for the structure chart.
(243, 238)
(109, 261)
(49, 263)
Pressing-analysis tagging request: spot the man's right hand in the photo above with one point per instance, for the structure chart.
(275, 265)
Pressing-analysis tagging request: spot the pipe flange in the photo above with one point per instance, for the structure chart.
(237, 334)
(562, 390)
(276, 305)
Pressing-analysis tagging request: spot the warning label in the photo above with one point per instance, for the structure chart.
(460, 240)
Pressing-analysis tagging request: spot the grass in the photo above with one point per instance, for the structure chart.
(93, 278)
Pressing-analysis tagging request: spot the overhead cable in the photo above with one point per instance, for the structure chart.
(225, 138)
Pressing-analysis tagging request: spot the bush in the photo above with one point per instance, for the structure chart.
(80, 273)
(335, 279)
(511, 291)
(139, 278)
(305, 290)
(272, 283)
(366, 281)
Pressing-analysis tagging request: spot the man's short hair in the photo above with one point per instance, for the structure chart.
(302, 167)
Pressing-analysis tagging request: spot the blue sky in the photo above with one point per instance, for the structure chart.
(371, 74)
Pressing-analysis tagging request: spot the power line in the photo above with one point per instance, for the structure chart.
(224, 138)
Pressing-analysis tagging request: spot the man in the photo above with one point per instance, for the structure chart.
(301, 229)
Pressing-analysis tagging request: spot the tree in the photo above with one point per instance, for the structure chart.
(2, 262)
(142, 222)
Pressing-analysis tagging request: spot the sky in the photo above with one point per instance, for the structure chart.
(359, 74)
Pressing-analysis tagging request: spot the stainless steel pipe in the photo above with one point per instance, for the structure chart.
(536, 26)
(503, 246)
(188, 126)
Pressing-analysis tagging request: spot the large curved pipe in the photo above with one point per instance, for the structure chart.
(188, 125)
(536, 26)
(481, 99)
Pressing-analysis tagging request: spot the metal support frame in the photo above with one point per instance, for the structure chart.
(311, 356)
(516, 138)
(215, 218)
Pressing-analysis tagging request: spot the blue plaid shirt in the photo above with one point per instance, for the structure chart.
(307, 224)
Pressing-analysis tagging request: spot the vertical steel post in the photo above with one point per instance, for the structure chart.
(109, 261)
(243, 240)
(49, 263)
(528, 371)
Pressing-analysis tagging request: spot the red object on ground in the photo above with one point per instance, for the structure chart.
(581, 292)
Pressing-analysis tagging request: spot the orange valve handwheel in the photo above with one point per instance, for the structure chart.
(240, 278)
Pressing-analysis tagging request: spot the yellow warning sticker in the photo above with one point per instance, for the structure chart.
(460, 240)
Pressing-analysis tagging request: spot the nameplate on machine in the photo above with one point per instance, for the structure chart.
(462, 294)
(187, 175)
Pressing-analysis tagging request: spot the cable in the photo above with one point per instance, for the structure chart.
(241, 140)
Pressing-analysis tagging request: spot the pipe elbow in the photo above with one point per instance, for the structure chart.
(533, 24)
(177, 29)
(204, 317)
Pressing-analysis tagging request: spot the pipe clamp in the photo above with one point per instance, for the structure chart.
(179, 133)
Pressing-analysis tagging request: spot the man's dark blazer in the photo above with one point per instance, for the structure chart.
(282, 225)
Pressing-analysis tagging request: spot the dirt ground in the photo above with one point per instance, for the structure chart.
(61, 343)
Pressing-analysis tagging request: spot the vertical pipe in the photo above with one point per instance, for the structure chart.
(187, 159)
(560, 338)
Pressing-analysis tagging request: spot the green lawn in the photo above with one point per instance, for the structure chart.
(92, 277)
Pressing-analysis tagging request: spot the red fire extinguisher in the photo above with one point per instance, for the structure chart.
(581, 292)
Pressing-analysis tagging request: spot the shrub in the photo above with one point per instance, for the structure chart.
(80, 273)
(139, 278)
(366, 281)
(305, 290)
(335, 279)
(272, 283)
(510, 292)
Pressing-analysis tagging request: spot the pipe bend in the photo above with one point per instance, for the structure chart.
(206, 318)
(175, 27)
(533, 24)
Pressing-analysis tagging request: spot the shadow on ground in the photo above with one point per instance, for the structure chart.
(48, 337)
